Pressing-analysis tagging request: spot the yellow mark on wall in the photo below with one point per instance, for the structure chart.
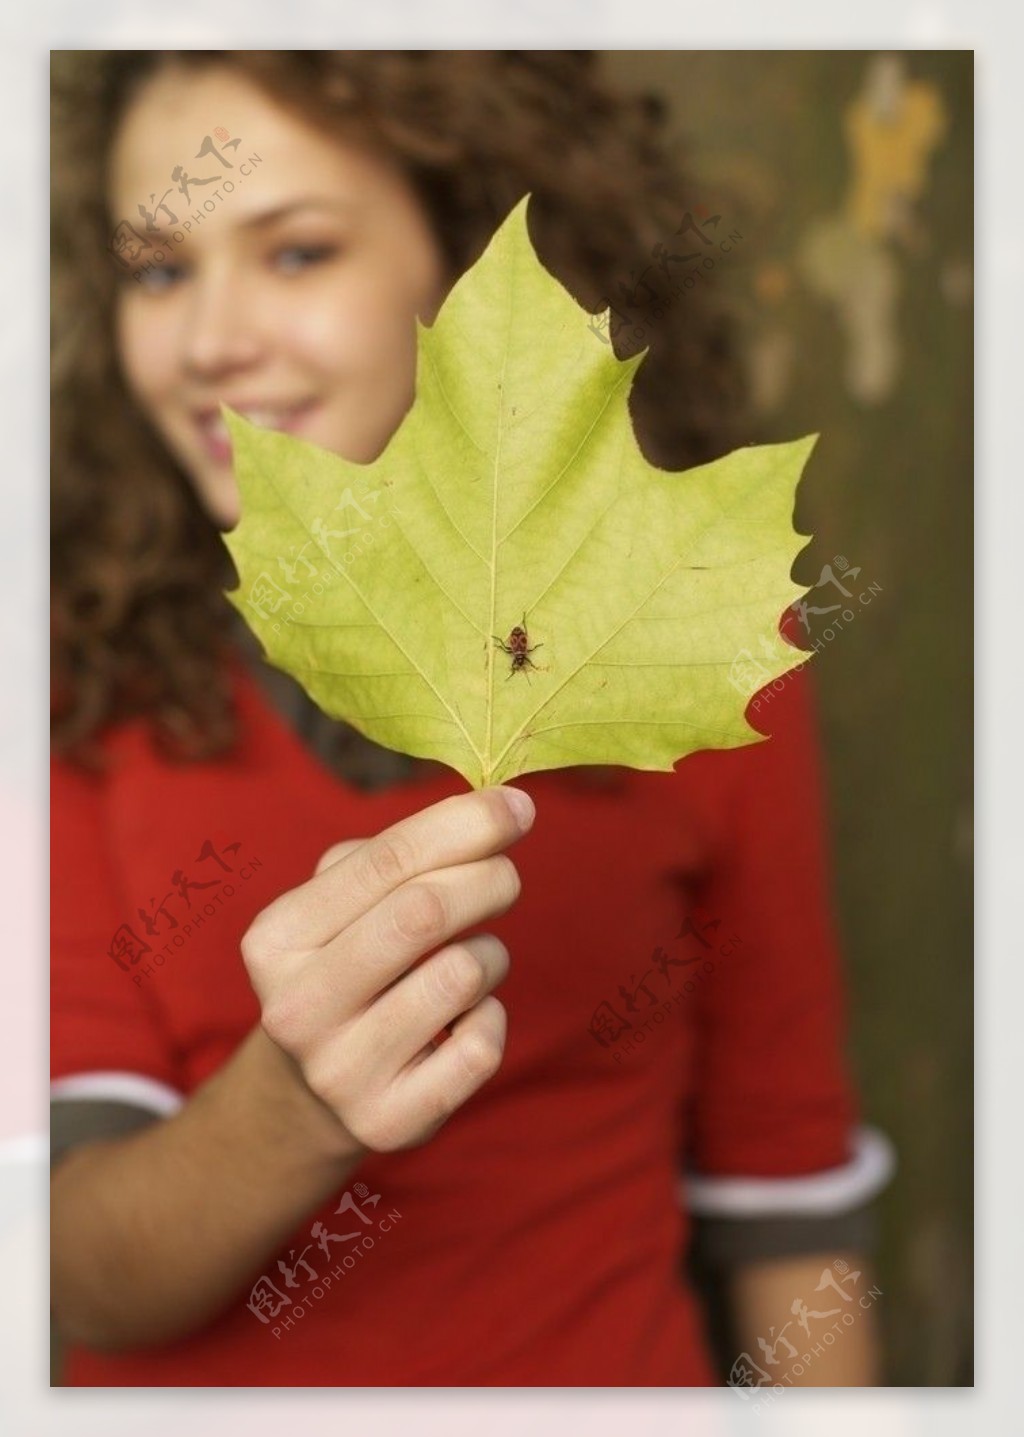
(848, 258)
(891, 128)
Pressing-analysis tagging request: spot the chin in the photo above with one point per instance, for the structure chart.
(225, 516)
(220, 501)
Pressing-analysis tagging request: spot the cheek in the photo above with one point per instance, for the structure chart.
(363, 340)
(323, 339)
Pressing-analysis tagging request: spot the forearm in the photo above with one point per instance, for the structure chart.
(151, 1235)
(775, 1302)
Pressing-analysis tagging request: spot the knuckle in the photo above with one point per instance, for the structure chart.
(254, 946)
(508, 879)
(376, 1126)
(480, 1055)
(337, 852)
(283, 1021)
(419, 913)
(323, 1077)
(250, 951)
(318, 1077)
(390, 859)
(458, 974)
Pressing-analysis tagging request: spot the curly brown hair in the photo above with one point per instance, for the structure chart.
(140, 621)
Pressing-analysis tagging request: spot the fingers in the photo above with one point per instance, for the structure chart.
(454, 831)
(401, 1023)
(386, 1116)
(337, 852)
(336, 964)
(438, 1085)
(361, 962)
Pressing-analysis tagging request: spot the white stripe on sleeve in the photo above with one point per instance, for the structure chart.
(132, 1088)
(820, 1194)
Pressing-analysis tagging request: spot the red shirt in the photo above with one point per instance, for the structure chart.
(540, 1232)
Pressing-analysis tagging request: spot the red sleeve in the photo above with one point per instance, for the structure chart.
(101, 1020)
(773, 1097)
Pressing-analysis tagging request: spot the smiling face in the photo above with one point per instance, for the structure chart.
(292, 299)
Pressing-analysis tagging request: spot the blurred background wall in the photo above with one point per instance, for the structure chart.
(850, 178)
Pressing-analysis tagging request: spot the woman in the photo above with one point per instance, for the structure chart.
(262, 1095)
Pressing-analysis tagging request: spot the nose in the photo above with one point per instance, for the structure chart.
(223, 331)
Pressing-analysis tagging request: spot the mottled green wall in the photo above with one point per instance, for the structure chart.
(850, 177)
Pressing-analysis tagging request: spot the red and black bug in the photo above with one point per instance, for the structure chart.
(519, 647)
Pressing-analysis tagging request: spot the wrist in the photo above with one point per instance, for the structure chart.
(303, 1120)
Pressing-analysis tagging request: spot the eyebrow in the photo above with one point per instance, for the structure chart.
(312, 202)
(265, 218)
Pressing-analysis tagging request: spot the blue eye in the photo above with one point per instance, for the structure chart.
(155, 279)
(310, 254)
(158, 278)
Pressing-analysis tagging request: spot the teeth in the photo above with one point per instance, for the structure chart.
(262, 418)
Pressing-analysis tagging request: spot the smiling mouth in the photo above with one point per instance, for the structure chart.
(213, 432)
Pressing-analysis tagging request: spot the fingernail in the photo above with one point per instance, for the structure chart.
(521, 805)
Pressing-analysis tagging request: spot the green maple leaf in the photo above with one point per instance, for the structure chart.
(514, 486)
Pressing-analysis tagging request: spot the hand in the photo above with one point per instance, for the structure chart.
(335, 966)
